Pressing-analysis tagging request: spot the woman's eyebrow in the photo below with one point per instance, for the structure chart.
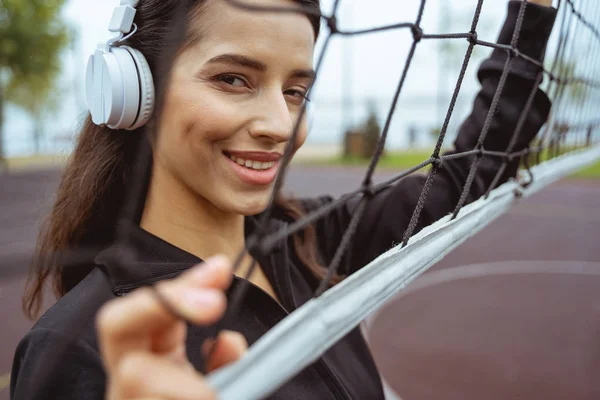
(243, 61)
(237, 59)
(304, 73)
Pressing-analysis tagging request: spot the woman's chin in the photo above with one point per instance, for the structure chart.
(251, 206)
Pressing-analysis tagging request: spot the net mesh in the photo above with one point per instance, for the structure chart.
(570, 127)
(550, 142)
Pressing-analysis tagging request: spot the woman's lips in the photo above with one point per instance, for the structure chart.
(250, 176)
(261, 156)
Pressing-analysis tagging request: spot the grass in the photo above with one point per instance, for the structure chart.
(36, 161)
(398, 159)
(592, 172)
(408, 159)
(4, 381)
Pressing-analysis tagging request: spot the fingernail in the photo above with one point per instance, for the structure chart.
(206, 268)
(202, 297)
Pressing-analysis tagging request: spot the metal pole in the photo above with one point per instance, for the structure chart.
(347, 73)
(445, 24)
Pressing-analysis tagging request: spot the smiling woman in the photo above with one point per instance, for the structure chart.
(228, 114)
(232, 95)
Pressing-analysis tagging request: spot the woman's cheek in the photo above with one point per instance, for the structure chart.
(213, 118)
(302, 133)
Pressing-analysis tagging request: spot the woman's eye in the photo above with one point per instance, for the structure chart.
(232, 80)
(298, 95)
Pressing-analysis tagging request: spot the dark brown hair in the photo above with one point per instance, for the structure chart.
(94, 181)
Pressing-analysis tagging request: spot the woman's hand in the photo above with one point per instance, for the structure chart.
(547, 3)
(143, 344)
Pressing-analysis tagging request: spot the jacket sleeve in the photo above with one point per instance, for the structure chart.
(78, 374)
(388, 214)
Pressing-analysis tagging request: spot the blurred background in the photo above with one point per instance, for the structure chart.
(44, 46)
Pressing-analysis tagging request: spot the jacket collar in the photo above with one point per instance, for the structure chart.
(145, 258)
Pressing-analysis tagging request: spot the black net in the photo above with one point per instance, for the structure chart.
(552, 142)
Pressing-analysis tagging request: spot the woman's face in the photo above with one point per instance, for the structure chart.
(232, 102)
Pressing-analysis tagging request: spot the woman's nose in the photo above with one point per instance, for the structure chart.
(273, 119)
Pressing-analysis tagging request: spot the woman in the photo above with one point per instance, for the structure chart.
(236, 87)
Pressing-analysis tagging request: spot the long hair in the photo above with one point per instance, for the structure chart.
(102, 167)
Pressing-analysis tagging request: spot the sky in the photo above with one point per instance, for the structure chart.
(364, 69)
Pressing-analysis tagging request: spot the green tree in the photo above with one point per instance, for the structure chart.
(32, 37)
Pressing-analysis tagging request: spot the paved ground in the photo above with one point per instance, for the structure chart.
(505, 330)
(560, 223)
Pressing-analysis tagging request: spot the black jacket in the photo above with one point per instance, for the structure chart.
(347, 370)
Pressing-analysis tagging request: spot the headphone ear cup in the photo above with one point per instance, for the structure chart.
(113, 89)
(119, 88)
(146, 84)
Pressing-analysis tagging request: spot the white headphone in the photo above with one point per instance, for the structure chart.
(119, 85)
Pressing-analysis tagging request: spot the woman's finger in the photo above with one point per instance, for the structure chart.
(229, 347)
(147, 375)
(130, 323)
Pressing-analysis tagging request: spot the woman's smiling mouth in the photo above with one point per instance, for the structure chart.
(255, 168)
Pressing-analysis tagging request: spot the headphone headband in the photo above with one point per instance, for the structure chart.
(122, 18)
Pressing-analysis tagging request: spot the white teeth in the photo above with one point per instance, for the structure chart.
(252, 164)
